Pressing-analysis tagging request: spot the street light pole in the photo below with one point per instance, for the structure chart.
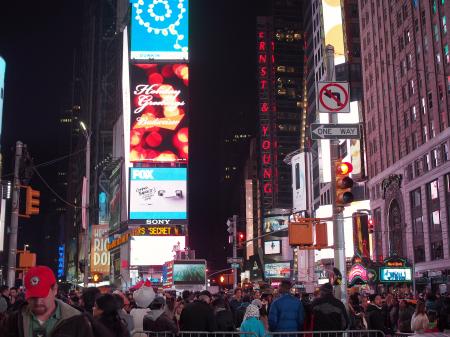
(86, 205)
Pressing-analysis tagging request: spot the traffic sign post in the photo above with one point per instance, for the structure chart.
(235, 260)
(335, 131)
(333, 97)
(235, 265)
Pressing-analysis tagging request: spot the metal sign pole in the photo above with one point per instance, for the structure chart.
(338, 222)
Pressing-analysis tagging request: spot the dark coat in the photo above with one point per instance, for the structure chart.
(159, 323)
(375, 317)
(329, 314)
(286, 314)
(197, 316)
(224, 320)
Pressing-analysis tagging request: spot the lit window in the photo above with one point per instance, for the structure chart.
(444, 24)
(446, 53)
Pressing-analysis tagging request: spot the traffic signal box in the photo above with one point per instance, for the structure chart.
(308, 233)
(97, 277)
(371, 226)
(344, 184)
(32, 201)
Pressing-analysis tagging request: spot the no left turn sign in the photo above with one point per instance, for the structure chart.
(333, 97)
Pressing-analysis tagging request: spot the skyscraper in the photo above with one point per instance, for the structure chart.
(405, 53)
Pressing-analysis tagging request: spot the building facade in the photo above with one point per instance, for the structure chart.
(405, 53)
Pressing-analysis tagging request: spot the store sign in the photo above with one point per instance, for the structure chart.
(61, 257)
(100, 258)
(395, 274)
(159, 123)
(159, 29)
(357, 272)
(157, 194)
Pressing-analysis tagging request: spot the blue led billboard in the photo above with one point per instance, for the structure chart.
(2, 88)
(159, 30)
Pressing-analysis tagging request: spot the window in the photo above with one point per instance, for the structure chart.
(410, 61)
(444, 153)
(416, 199)
(434, 158)
(413, 113)
(433, 191)
(412, 90)
(414, 141)
(430, 100)
(437, 252)
(434, 7)
(399, 19)
(405, 11)
(446, 54)
(436, 32)
(426, 162)
(422, 105)
(444, 24)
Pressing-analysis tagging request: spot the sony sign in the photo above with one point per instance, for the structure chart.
(157, 222)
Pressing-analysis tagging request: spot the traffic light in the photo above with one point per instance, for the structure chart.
(97, 277)
(222, 279)
(371, 226)
(32, 201)
(344, 184)
(230, 230)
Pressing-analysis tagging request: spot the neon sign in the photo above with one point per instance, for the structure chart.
(61, 253)
(266, 110)
(357, 272)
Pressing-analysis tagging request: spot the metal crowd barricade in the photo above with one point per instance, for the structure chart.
(345, 333)
(340, 333)
(193, 334)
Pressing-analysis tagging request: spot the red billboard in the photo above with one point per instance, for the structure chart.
(159, 104)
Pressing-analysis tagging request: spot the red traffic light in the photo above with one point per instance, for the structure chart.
(241, 236)
(371, 226)
(344, 168)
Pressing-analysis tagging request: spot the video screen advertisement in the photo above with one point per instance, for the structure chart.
(159, 113)
(277, 270)
(158, 194)
(189, 272)
(154, 250)
(159, 30)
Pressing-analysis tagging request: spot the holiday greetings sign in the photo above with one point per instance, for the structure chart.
(159, 124)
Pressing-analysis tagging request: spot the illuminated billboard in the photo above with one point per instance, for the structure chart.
(100, 259)
(277, 270)
(157, 193)
(276, 223)
(395, 274)
(2, 88)
(159, 29)
(189, 272)
(272, 247)
(154, 250)
(159, 123)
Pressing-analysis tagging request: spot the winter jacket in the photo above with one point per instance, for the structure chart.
(83, 325)
(158, 320)
(17, 324)
(404, 319)
(329, 314)
(286, 314)
(254, 325)
(376, 318)
(197, 316)
(419, 323)
(224, 320)
(138, 315)
(239, 313)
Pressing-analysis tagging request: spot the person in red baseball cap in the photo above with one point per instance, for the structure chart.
(43, 314)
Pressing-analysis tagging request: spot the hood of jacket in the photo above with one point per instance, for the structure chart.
(373, 307)
(154, 314)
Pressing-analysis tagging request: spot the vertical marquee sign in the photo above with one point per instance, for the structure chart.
(266, 107)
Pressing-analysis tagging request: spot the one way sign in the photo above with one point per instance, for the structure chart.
(335, 131)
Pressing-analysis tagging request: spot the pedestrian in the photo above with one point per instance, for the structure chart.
(286, 312)
(328, 312)
(356, 313)
(4, 293)
(157, 320)
(179, 306)
(43, 314)
(419, 320)
(432, 322)
(88, 297)
(143, 297)
(405, 313)
(106, 312)
(236, 300)
(375, 315)
(251, 322)
(239, 313)
(224, 316)
(125, 316)
(198, 315)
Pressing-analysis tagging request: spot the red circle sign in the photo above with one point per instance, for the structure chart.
(327, 91)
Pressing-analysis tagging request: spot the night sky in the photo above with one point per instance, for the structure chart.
(37, 40)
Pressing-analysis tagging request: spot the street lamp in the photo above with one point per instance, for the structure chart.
(85, 204)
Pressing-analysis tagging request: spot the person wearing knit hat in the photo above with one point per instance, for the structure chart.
(329, 314)
(143, 297)
(251, 322)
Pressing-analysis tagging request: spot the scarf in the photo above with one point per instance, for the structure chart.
(252, 311)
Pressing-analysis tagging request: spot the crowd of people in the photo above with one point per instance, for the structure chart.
(43, 310)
